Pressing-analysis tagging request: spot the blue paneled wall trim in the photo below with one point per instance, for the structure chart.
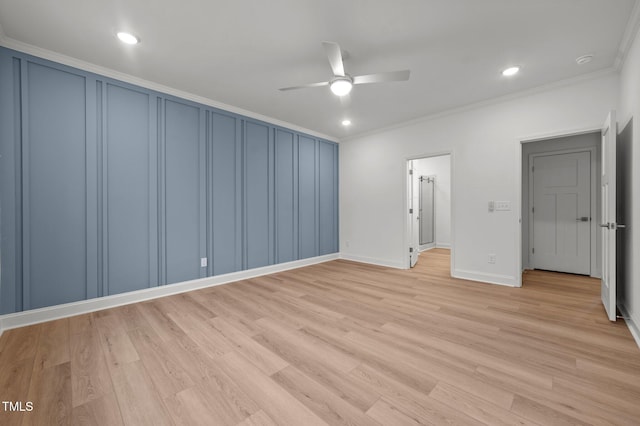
(106, 187)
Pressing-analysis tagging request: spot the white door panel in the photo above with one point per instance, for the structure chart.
(609, 225)
(562, 210)
(414, 226)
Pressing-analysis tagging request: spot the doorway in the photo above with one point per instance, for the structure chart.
(429, 204)
(560, 209)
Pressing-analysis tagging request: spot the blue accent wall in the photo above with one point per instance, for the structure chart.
(106, 188)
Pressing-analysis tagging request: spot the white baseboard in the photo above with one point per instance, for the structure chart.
(443, 245)
(34, 316)
(372, 261)
(632, 321)
(505, 280)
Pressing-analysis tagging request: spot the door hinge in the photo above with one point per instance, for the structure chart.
(533, 250)
(533, 169)
(533, 209)
(410, 249)
(410, 171)
(410, 211)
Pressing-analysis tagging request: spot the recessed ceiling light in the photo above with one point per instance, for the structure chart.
(346, 123)
(584, 59)
(128, 38)
(341, 86)
(510, 71)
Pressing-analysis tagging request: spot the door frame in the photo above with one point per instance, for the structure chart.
(593, 211)
(406, 240)
(518, 182)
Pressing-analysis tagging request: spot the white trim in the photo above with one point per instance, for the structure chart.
(518, 216)
(632, 321)
(487, 102)
(505, 280)
(373, 261)
(630, 32)
(443, 245)
(426, 247)
(128, 78)
(34, 316)
(538, 137)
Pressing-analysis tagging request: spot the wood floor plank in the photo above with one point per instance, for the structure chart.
(591, 410)
(259, 418)
(203, 333)
(312, 347)
(345, 388)
(204, 405)
(271, 397)
(116, 344)
(15, 378)
(476, 408)
(103, 411)
(542, 414)
(386, 414)
(167, 373)
(139, 402)
(53, 347)
(89, 373)
(19, 344)
(261, 357)
(321, 400)
(50, 392)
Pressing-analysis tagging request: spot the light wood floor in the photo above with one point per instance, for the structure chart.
(336, 343)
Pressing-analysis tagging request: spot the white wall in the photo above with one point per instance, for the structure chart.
(440, 167)
(630, 109)
(485, 146)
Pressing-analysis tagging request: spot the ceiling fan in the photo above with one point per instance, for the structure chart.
(341, 83)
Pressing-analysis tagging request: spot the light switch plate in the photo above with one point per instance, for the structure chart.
(203, 262)
(503, 205)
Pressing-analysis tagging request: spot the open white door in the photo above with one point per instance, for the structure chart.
(609, 225)
(413, 218)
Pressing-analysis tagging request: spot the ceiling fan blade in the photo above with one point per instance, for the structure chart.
(304, 86)
(382, 77)
(335, 57)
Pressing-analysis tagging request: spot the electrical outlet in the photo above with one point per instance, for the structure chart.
(503, 206)
(203, 262)
(491, 258)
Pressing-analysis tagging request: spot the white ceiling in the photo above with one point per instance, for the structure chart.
(240, 52)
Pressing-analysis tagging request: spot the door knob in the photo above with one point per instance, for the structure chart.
(583, 219)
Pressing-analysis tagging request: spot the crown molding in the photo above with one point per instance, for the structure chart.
(30, 49)
(488, 102)
(629, 35)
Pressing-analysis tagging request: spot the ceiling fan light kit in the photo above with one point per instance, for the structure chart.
(127, 38)
(341, 86)
(342, 83)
